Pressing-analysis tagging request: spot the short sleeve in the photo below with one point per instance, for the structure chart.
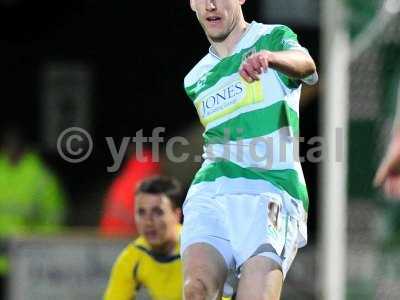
(283, 38)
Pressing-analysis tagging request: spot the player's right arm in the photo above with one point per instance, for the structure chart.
(285, 55)
(122, 284)
(294, 63)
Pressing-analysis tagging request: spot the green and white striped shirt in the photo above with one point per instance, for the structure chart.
(250, 128)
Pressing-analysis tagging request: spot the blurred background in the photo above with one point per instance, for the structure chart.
(114, 69)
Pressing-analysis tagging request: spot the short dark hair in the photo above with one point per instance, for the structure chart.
(168, 186)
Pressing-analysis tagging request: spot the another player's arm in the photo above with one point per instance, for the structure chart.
(296, 64)
(122, 284)
(388, 174)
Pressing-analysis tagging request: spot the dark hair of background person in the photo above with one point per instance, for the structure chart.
(168, 186)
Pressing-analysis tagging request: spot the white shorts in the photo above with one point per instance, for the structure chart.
(240, 226)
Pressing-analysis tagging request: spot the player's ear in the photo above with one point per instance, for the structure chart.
(241, 2)
(178, 214)
(192, 5)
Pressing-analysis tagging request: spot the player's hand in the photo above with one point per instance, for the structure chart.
(255, 65)
(388, 174)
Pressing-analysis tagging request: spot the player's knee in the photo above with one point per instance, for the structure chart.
(195, 289)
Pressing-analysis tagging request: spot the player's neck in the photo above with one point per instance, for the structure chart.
(226, 47)
(168, 248)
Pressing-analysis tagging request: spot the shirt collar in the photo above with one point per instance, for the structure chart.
(242, 38)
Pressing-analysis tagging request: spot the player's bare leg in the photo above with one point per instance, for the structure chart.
(261, 279)
(204, 271)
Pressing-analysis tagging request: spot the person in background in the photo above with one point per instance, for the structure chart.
(151, 261)
(31, 198)
(117, 218)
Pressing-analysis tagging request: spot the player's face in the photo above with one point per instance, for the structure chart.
(156, 219)
(217, 17)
